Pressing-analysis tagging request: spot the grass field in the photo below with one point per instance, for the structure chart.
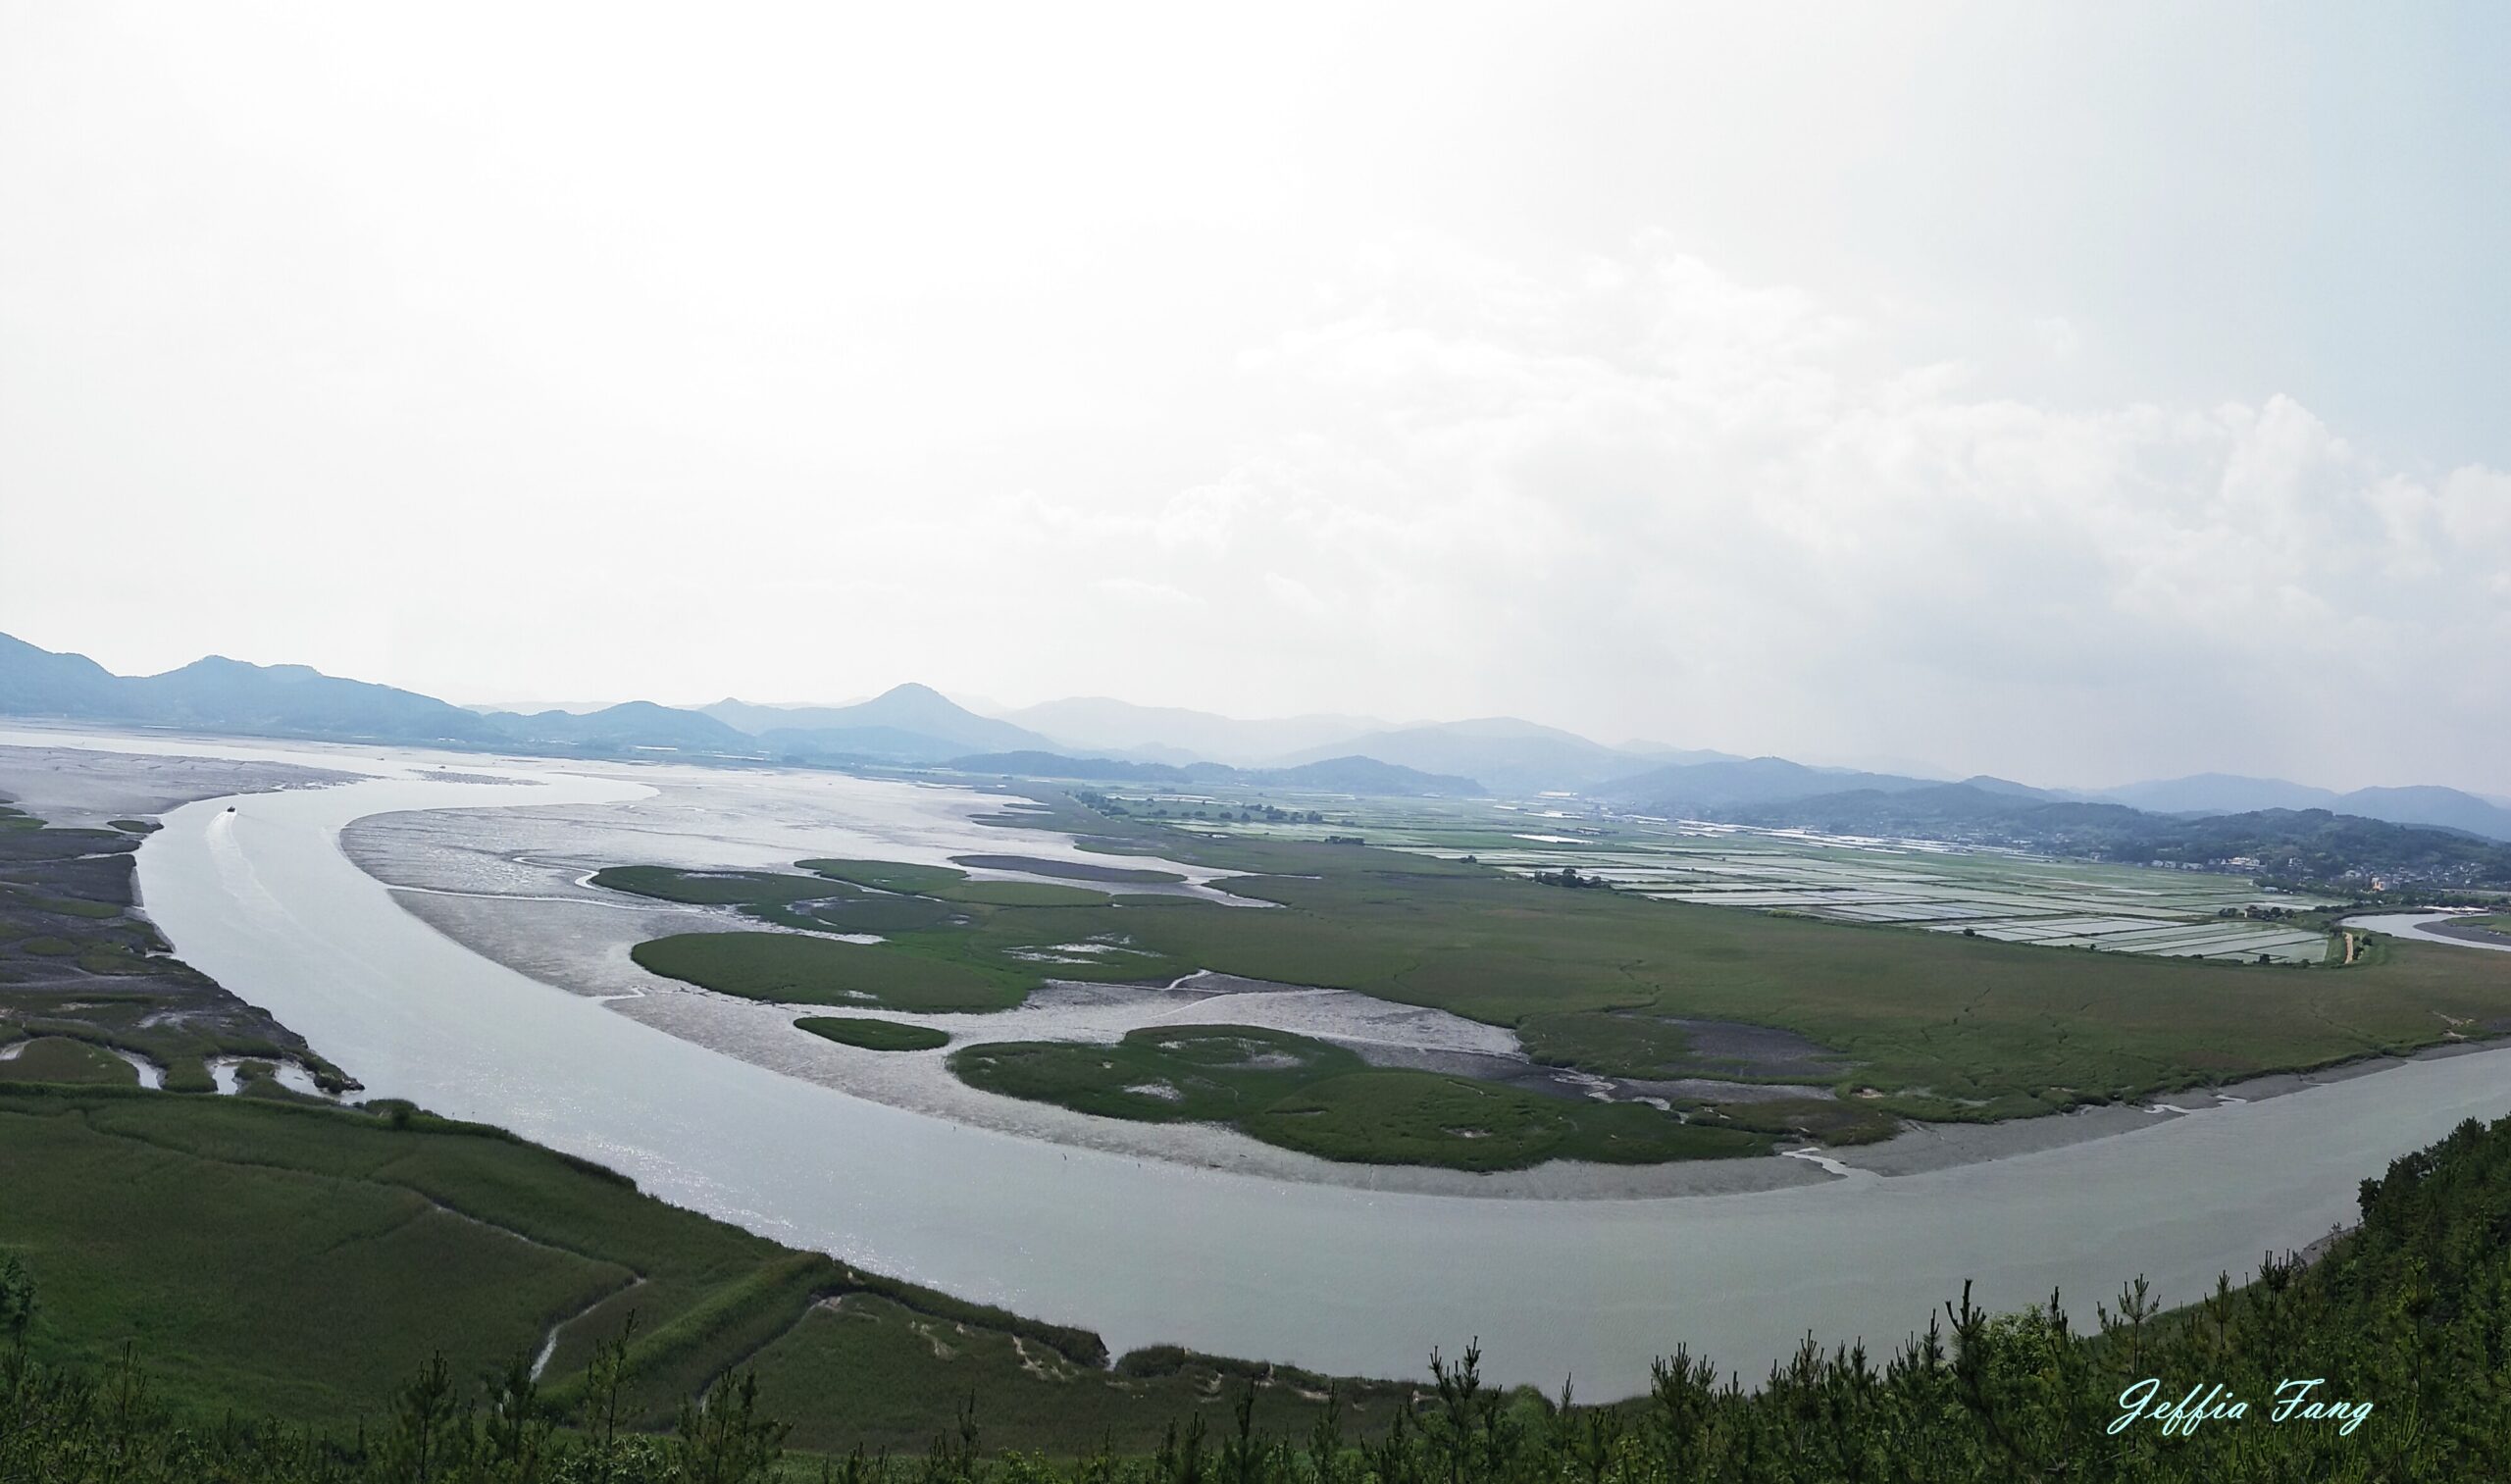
(873, 1035)
(221, 1238)
(58, 1058)
(718, 888)
(267, 1257)
(1021, 893)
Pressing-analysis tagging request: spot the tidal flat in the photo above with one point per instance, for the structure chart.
(515, 885)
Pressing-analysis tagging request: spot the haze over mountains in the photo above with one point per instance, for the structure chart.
(1100, 738)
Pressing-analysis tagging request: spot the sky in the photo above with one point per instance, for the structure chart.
(2074, 393)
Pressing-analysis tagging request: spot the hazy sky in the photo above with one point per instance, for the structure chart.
(2079, 393)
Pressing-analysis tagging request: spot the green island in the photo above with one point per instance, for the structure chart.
(873, 1035)
(885, 875)
(1070, 870)
(1322, 1099)
(1024, 893)
(789, 968)
(1880, 1023)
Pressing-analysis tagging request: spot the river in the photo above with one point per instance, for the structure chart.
(255, 891)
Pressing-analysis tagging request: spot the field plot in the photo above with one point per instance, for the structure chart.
(2006, 895)
(2017, 899)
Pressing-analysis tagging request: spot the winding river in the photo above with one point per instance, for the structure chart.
(255, 890)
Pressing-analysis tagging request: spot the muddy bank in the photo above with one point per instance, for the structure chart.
(1922, 1147)
(582, 945)
(84, 788)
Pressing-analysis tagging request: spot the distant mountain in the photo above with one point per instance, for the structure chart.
(1368, 775)
(916, 724)
(636, 724)
(2231, 794)
(233, 696)
(908, 721)
(1100, 723)
(1504, 754)
(1947, 811)
(1666, 752)
(2219, 794)
(40, 683)
(1340, 775)
(1700, 791)
(220, 694)
(2295, 846)
(1989, 784)
(2426, 804)
(536, 707)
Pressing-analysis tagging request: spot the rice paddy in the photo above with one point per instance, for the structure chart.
(1975, 891)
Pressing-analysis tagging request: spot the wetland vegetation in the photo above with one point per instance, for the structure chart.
(80, 968)
(351, 1246)
(1887, 1023)
(873, 1035)
(789, 968)
(1323, 1099)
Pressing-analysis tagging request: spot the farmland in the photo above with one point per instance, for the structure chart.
(2000, 894)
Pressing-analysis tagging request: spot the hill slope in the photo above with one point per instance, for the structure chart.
(222, 694)
(631, 723)
(908, 723)
(1503, 753)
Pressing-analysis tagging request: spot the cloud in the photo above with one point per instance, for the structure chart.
(1640, 495)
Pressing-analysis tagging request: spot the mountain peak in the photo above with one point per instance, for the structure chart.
(915, 691)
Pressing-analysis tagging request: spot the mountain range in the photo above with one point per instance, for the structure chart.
(914, 725)
(2227, 793)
